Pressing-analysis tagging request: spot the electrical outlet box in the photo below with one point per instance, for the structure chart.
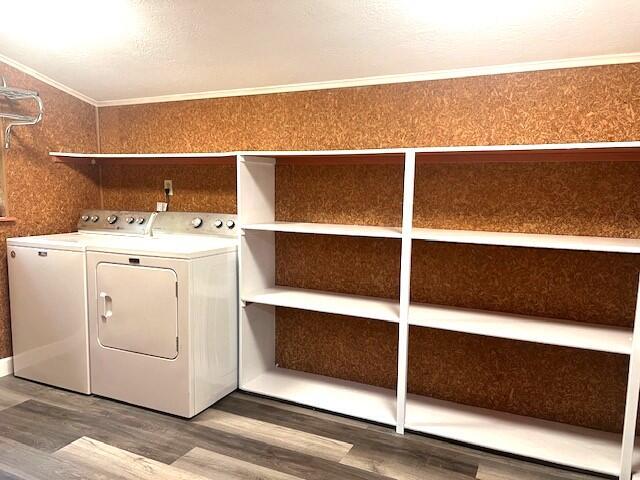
(168, 185)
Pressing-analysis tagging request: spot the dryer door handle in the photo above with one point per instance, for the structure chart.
(106, 306)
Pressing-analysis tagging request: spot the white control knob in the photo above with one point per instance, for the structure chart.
(140, 220)
(231, 224)
(196, 222)
(95, 218)
(129, 219)
(84, 218)
(112, 219)
(218, 223)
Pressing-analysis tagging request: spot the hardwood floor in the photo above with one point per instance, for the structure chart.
(46, 433)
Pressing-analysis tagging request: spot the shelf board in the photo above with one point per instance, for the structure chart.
(328, 229)
(553, 442)
(328, 302)
(530, 240)
(145, 158)
(348, 398)
(549, 331)
(559, 149)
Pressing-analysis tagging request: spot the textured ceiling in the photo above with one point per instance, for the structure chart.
(123, 49)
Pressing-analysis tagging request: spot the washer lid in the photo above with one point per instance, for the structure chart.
(60, 241)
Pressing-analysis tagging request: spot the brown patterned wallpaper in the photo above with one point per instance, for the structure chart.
(593, 198)
(573, 105)
(196, 188)
(570, 105)
(43, 196)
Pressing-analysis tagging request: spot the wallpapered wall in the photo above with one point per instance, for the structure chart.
(44, 197)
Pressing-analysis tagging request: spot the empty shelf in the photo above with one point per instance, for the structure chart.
(328, 302)
(328, 229)
(553, 442)
(340, 396)
(562, 242)
(520, 327)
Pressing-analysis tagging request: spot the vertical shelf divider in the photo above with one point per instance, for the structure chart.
(256, 203)
(631, 405)
(405, 288)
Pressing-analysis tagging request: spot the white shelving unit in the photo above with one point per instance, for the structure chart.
(260, 296)
(572, 446)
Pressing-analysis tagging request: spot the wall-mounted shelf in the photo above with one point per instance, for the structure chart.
(327, 302)
(614, 151)
(529, 240)
(549, 331)
(331, 394)
(144, 158)
(328, 229)
(553, 442)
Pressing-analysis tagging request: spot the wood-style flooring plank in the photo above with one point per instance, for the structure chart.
(9, 398)
(36, 425)
(505, 471)
(18, 461)
(48, 428)
(221, 467)
(279, 436)
(107, 459)
(403, 466)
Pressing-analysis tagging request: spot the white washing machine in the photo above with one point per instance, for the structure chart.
(163, 314)
(48, 298)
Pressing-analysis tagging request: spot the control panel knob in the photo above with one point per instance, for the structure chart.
(129, 219)
(95, 218)
(112, 219)
(231, 224)
(218, 223)
(140, 220)
(196, 222)
(84, 218)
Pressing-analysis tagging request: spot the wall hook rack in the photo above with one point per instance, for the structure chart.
(16, 119)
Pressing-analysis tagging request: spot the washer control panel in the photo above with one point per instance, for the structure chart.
(135, 223)
(206, 223)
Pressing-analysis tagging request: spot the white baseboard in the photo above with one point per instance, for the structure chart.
(6, 366)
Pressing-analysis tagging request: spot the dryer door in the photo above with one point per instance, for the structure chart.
(138, 309)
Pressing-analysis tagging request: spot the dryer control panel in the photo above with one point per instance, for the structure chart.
(223, 224)
(121, 222)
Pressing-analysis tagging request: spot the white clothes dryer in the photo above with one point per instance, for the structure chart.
(163, 314)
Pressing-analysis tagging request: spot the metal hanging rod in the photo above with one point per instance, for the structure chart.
(16, 119)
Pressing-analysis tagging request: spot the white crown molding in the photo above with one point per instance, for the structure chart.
(49, 81)
(355, 82)
(388, 79)
(6, 366)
